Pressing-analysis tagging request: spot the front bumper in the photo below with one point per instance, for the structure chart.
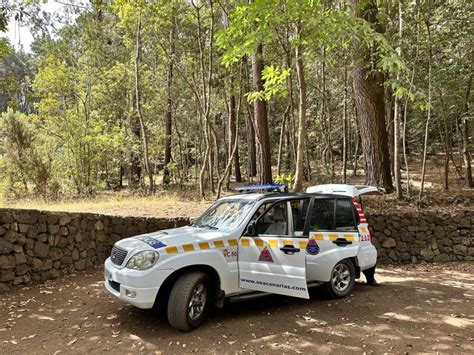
(139, 288)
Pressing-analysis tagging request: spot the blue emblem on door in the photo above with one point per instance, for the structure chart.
(312, 248)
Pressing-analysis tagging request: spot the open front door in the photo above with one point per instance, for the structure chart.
(273, 261)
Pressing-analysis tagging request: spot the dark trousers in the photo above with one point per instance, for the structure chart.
(370, 274)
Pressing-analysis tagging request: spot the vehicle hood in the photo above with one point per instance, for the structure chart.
(170, 237)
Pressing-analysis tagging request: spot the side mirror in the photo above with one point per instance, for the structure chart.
(252, 229)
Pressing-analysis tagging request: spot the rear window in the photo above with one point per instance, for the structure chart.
(322, 215)
(345, 215)
(332, 214)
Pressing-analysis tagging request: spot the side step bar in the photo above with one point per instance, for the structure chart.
(257, 294)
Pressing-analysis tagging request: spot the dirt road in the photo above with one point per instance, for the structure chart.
(421, 308)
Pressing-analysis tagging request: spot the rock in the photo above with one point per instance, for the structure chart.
(80, 265)
(392, 255)
(414, 260)
(447, 242)
(427, 254)
(413, 228)
(55, 253)
(6, 217)
(43, 237)
(6, 247)
(4, 287)
(460, 249)
(20, 258)
(439, 232)
(11, 236)
(66, 260)
(37, 264)
(29, 244)
(22, 269)
(389, 243)
(99, 226)
(52, 218)
(7, 275)
(7, 262)
(442, 258)
(41, 249)
(23, 228)
(47, 265)
(64, 219)
(53, 228)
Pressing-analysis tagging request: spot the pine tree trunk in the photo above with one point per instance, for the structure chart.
(370, 106)
(428, 114)
(465, 137)
(143, 129)
(234, 139)
(261, 120)
(299, 175)
(169, 110)
(344, 130)
(396, 118)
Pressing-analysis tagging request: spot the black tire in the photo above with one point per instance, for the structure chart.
(342, 279)
(180, 310)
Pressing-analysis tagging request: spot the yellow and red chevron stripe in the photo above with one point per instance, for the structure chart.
(190, 247)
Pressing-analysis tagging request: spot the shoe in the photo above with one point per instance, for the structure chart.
(373, 282)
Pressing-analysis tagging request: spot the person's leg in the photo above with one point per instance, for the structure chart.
(370, 276)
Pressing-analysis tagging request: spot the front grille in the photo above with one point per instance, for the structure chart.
(118, 255)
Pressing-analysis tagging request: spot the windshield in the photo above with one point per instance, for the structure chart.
(225, 215)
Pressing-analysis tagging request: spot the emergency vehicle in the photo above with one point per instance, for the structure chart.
(262, 240)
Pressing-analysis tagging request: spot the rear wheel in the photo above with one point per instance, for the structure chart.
(342, 279)
(189, 301)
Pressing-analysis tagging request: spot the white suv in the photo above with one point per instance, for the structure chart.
(260, 240)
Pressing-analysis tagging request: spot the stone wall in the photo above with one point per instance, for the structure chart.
(409, 237)
(40, 245)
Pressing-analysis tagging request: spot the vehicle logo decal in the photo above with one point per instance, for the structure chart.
(154, 243)
(312, 248)
(265, 255)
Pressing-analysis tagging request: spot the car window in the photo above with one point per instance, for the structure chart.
(322, 215)
(225, 215)
(344, 215)
(299, 210)
(274, 221)
(260, 211)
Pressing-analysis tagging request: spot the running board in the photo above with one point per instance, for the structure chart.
(257, 294)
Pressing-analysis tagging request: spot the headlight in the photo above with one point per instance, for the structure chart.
(143, 260)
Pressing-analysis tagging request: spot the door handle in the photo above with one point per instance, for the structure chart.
(342, 242)
(289, 249)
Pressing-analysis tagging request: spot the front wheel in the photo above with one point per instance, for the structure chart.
(189, 301)
(342, 279)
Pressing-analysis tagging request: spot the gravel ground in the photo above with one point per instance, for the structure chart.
(421, 308)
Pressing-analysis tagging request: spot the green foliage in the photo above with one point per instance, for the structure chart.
(274, 84)
(27, 156)
(81, 131)
(285, 179)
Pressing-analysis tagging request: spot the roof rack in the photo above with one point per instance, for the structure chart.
(263, 188)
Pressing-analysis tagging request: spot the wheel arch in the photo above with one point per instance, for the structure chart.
(355, 261)
(165, 289)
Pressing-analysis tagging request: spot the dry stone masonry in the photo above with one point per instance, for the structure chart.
(40, 245)
(413, 237)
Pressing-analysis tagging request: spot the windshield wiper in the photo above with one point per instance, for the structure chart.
(208, 226)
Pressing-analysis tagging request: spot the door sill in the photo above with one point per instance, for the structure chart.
(258, 294)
